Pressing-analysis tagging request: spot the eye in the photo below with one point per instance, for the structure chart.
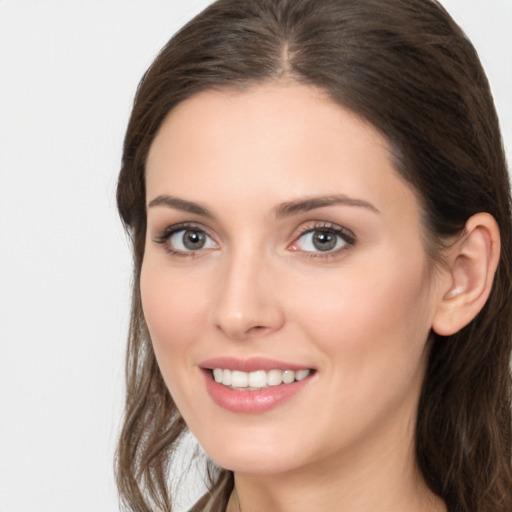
(183, 240)
(323, 240)
(191, 240)
(320, 240)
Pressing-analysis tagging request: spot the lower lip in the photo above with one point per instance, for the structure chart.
(252, 402)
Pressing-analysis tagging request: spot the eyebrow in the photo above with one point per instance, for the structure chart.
(180, 204)
(285, 209)
(311, 203)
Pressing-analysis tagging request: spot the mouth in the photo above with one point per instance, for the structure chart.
(258, 379)
(256, 385)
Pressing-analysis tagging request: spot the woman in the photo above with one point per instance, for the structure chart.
(320, 212)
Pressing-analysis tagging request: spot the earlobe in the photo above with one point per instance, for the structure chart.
(472, 263)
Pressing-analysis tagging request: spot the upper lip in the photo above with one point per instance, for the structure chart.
(250, 365)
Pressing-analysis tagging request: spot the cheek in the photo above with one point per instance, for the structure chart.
(362, 314)
(370, 330)
(175, 313)
(174, 309)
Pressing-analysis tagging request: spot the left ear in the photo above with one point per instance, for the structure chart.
(472, 263)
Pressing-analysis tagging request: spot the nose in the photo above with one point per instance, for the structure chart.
(246, 304)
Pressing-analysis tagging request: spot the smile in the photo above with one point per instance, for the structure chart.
(259, 379)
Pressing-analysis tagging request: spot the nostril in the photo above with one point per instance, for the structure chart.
(244, 332)
(257, 329)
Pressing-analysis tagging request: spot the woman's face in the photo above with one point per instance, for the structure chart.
(284, 255)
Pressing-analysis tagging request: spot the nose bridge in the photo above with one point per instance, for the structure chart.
(245, 301)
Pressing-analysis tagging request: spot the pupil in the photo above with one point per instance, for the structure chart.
(193, 240)
(324, 241)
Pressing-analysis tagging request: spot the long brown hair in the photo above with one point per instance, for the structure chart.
(408, 69)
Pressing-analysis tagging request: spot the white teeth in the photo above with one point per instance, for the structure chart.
(274, 377)
(239, 379)
(300, 375)
(258, 379)
(217, 374)
(288, 376)
(226, 378)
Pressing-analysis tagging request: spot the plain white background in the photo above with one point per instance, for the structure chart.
(68, 73)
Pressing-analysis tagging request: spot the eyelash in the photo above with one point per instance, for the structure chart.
(344, 234)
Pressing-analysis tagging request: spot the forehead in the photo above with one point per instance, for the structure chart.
(272, 141)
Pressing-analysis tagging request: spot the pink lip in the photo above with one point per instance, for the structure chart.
(250, 365)
(251, 401)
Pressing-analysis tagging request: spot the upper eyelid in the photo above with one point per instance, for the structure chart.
(170, 229)
(319, 225)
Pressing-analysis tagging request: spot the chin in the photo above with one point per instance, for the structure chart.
(255, 464)
(253, 455)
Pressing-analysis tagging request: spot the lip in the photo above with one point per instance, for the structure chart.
(251, 401)
(250, 365)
